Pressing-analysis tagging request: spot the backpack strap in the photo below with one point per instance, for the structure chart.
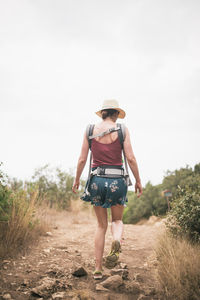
(121, 133)
(104, 133)
(89, 132)
(122, 136)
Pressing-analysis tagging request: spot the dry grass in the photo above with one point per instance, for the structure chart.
(178, 268)
(23, 227)
(81, 212)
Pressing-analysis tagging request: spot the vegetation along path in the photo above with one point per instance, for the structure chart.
(60, 265)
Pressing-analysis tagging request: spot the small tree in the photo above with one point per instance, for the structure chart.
(184, 217)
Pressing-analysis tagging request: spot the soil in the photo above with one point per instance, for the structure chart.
(70, 245)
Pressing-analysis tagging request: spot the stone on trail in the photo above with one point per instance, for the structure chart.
(25, 282)
(113, 282)
(47, 250)
(49, 233)
(121, 272)
(123, 266)
(79, 272)
(46, 285)
(5, 261)
(58, 296)
(6, 296)
(99, 287)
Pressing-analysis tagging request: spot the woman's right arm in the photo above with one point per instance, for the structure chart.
(132, 162)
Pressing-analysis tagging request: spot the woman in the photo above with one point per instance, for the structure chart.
(108, 191)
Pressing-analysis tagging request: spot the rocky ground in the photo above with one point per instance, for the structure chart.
(60, 265)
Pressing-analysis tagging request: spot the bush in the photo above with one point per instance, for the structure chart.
(5, 198)
(19, 225)
(184, 217)
(150, 203)
(54, 186)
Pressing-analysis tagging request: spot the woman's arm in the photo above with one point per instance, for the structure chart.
(132, 162)
(81, 163)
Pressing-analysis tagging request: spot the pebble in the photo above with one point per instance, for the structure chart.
(6, 296)
(47, 250)
(99, 287)
(58, 296)
(79, 272)
(5, 261)
(113, 282)
(49, 233)
(123, 266)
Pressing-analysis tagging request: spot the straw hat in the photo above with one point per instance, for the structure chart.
(112, 104)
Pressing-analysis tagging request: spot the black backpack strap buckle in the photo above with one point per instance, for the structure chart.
(100, 171)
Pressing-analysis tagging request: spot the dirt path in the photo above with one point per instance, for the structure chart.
(46, 271)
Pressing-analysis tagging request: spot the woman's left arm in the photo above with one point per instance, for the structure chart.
(81, 163)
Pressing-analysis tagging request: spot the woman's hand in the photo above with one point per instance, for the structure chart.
(75, 185)
(138, 188)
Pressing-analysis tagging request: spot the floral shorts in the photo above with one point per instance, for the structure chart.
(106, 192)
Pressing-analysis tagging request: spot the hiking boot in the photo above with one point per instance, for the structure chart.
(113, 256)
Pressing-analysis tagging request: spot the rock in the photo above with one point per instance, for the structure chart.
(47, 250)
(5, 268)
(99, 287)
(133, 288)
(5, 261)
(44, 288)
(79, 272)
(6, 296)
(58, 296)
(49, 233)
(113, 282)
(121, 272)
(123, 266)
(25, 282)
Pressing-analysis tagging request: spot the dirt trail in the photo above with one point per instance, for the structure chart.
(68, 246)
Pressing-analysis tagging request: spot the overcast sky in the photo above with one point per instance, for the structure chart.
(60, 59)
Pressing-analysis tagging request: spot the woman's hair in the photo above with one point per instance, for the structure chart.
(112, 113)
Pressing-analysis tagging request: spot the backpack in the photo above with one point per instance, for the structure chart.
(121, 134)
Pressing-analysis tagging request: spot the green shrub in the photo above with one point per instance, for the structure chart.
(150, 203)
(5, 198)
(54, 186)
(184, 216)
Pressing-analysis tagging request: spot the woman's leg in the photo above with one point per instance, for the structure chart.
(102, 224)
(117, 224)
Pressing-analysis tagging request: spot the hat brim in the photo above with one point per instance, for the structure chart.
(121, 115)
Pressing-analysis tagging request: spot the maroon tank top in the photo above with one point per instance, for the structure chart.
(106, 154)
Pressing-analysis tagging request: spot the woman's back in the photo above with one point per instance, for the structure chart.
(103, 126)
